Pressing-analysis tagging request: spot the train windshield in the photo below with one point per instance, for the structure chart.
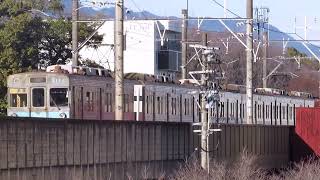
(58, 97)
(38, 97)
(18, 98)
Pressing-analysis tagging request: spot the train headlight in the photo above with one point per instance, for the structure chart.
(14, 115)
(63, 115)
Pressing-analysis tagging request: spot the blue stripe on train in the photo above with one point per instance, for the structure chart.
(42, 114)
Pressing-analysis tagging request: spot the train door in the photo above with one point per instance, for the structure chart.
(38, 102)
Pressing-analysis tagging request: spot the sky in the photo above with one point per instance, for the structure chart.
(282, 12)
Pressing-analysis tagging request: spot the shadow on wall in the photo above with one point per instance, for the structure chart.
(299, 150)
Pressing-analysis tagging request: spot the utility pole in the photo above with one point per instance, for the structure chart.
(75, 15)
(184, 43)
(211, 76)
(265, 54)
(249, 98)
(119, 42)
(204, 110)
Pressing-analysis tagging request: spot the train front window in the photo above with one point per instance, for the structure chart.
(58, 97)
(18, 100)
(38, 97)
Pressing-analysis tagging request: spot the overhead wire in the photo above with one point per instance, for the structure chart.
(142, 12)
(219, 4)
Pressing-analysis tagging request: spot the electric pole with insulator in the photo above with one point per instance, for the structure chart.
(75, 15)
(249, 97)
(119, 47)
(211, 75)
(204, 110)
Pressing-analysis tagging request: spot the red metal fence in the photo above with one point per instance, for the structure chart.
(308, 127)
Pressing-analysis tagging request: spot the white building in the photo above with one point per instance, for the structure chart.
(151, 47)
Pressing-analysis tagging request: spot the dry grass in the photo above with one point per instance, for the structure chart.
(244, 169)
(305, 170)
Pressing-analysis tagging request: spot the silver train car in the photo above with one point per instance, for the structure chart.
(88, 93)
(65, 94)
(182, 105)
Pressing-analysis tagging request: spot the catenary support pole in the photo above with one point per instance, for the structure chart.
(75, 15)
(119, 42)
(249, 98)
(204, 111)
(265, 54)
(184, 43)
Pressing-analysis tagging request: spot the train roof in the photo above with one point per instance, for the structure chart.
(134, 78)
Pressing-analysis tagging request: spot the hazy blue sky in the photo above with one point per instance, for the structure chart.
(282, 12)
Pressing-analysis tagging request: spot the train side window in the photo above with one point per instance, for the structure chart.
(107, 104)
(233, 109)
(243, 110)
(58, 97)
(260, 109)
(18, 99)
(240, 110)
(290, 113)
(126, 103)
(147, 105)
(152, 103)
(188, 107)
(158, 105)
(110, 102)
(172, 105)
(196, 106)
(175, 106)
(161, 105)
(89, 101)
(38, 97)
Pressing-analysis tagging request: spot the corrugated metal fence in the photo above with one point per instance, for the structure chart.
(73, 149)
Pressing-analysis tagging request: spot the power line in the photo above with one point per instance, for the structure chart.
(135, 4)
(240, 17)
(273, 30)
(226, 8)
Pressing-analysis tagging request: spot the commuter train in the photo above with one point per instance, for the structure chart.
(88, 93)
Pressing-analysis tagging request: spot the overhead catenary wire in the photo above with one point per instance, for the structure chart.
(219, 4)
(142, 12)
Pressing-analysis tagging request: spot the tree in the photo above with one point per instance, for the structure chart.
(27, 40)
(55, 45)
(90, 63)
(293, 52)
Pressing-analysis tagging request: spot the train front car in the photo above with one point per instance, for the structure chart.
(38, 94)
